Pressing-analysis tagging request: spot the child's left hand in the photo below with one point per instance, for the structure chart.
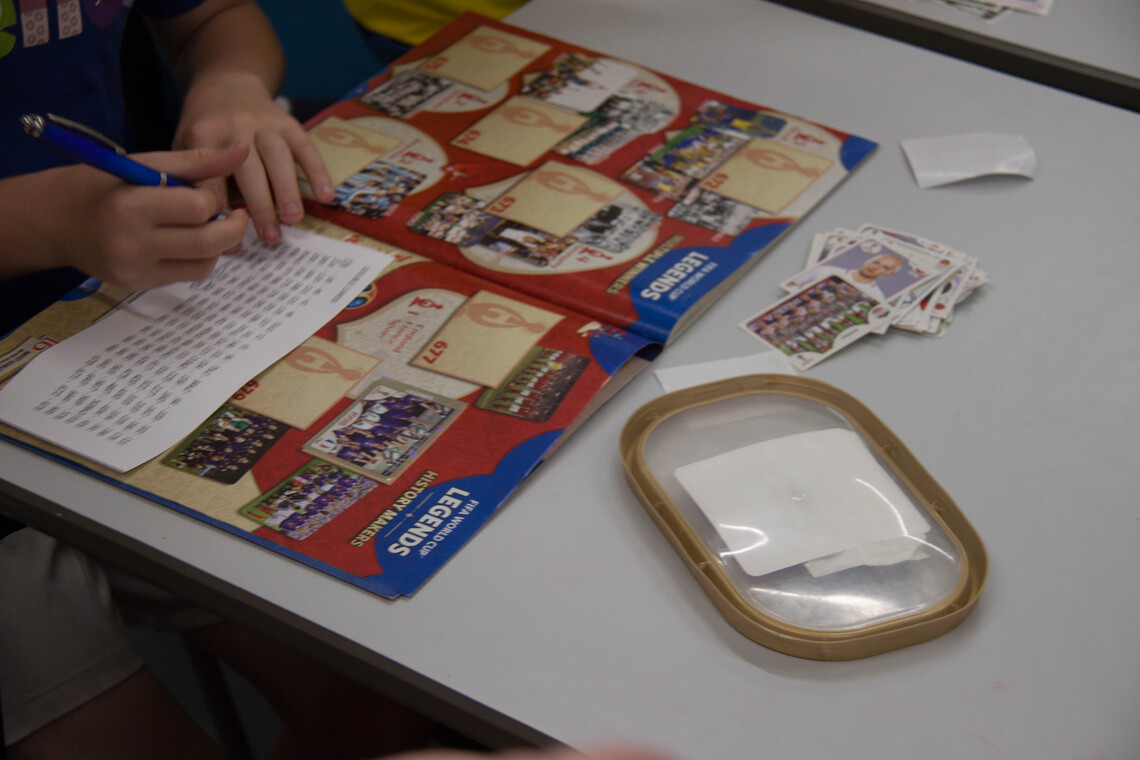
(223, 108)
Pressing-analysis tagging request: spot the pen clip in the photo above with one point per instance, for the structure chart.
(75, 126)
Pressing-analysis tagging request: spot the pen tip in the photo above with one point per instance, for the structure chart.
(33, 124)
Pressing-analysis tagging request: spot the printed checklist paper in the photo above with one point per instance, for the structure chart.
(136, 382)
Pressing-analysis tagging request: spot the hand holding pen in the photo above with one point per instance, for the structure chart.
(94, 149)
(133, 235)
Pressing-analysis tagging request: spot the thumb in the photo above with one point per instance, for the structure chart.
(198, 164)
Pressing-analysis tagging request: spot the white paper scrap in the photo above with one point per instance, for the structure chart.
(688, 375)
(786, 501)
(943, 160)
(143, 377)
(890, 551)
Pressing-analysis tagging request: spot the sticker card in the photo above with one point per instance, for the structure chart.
(639, 114)
(885, 271)
(713, 212)
(809, 495)
(311, 497)
(405, 93)
(485, 58)
(376, 190)
(767, 175)
(580, 82)
(817, 322)
(345, 146)
(955, 268)
(931, 247)
(689, 156)
(617, 122)
(455, 218)
(826, 244)
(596, 140)
(486, 339)
(385, 429)
(305, 384)
(520, 131)
(534, 392)
(616, 227)
(745, 121)
(226, 446)
(525, 243)
(556, 198)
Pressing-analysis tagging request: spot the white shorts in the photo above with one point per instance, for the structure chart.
(61, 635)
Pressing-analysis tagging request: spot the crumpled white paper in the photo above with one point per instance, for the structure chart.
(890, 551)
(943, 160)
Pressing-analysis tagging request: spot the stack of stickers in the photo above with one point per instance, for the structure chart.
(862, 282)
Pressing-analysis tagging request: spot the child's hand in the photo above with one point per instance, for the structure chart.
(228, 106)
(133, 236)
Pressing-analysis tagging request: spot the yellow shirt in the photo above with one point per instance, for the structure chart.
(413, 21)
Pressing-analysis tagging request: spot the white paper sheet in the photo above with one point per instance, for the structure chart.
(789, 500)
(943, 160)
(139, 380)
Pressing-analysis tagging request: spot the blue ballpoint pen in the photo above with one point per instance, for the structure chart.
(86, 145)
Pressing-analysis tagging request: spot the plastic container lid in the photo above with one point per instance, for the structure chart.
(807, 522)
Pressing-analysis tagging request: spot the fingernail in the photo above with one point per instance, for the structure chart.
(325, 190)
(271, 233)
(290, 210)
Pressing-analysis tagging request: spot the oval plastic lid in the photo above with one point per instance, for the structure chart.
(806, 521)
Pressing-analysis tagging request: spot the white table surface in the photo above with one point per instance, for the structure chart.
(1100, 33)
(570, 614)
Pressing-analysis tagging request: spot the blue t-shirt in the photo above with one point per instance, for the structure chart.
(61, 57)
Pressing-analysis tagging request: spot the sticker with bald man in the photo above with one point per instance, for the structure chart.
(885, 271)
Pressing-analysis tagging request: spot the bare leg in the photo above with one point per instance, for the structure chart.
(136, 720)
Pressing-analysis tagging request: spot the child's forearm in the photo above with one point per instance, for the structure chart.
(222, 38)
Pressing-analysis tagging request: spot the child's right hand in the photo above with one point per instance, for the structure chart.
(132, 236)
